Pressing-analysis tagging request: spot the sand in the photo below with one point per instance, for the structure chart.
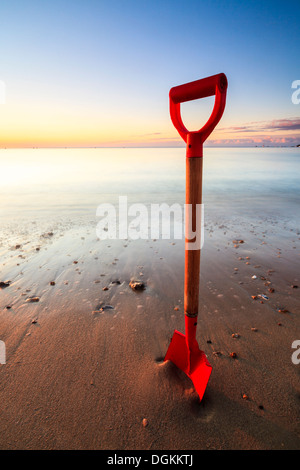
(84, 366)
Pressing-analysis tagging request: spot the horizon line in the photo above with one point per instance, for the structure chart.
(144, 146)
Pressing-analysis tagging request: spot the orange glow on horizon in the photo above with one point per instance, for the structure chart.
(25, 126)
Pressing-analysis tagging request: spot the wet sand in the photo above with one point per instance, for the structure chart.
(85, 362)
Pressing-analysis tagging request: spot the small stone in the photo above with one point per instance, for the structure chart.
(263, 296)
(254, 297)
(233, 355)
(4, 284)
(283, 310)
(145, 422)
(33, 299)
(294, 287)
(261, 407)
(245, 397)
(52, 283)
(176, 308)
(105, 288)
(208, 341)
(8, 307)
(75, 262)
(137, 285)
(271, 290)
(17, 247)
(217, 353)
(102, 308)
(235, 335)
(253, 329)
(34, 321)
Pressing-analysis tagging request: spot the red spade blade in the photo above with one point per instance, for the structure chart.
(193, 362)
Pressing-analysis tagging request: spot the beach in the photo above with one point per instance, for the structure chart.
(84, 351)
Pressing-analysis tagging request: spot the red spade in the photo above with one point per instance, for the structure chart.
(183, 350)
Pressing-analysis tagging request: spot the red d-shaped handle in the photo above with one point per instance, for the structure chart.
(214, 85)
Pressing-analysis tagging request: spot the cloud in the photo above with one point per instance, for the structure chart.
(284, 124)
(275, 125)
(259, 140)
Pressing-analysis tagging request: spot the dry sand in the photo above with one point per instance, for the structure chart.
(76, 379)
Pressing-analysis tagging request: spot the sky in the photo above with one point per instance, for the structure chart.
(85, 73)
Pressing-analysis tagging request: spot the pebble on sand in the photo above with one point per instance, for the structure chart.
(245, 396)
(145, 422)
(4, 284)
(217, 353)
(137, 285)
(102, 308)
(233, 355)
(52, 283)
(33, 299)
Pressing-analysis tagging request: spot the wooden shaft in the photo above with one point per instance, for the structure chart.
(192, 257)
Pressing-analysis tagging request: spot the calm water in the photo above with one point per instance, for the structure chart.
(51, 183)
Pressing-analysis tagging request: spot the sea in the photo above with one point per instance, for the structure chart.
(67, 185)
